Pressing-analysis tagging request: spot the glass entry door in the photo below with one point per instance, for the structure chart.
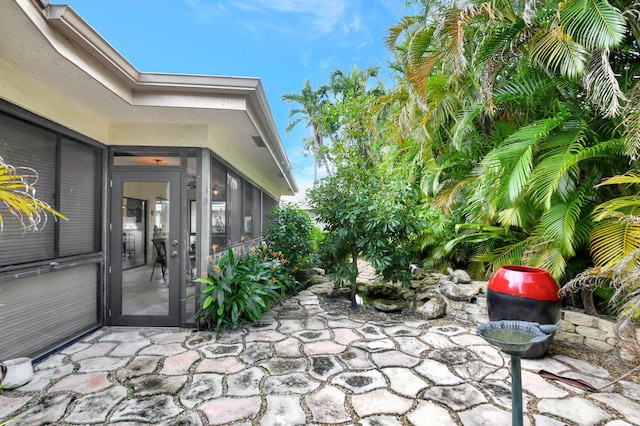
(145, 248)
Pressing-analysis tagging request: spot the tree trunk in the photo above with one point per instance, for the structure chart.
(587, 301)
(354, 277)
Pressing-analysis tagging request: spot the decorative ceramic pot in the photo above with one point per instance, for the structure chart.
(524, 293)
(19, 372)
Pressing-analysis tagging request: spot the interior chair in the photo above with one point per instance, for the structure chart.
(160, 245)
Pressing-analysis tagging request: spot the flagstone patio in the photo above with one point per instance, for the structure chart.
(303, 365)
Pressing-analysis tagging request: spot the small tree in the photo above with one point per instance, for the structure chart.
(289, 233)
(378, 217)
(369, 208)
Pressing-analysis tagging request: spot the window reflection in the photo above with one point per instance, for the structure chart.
(218, 223)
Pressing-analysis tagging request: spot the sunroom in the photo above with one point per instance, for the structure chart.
(156, 174)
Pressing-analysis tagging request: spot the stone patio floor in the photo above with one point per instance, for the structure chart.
(302, 365)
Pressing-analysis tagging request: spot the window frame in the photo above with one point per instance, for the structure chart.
(63, 135)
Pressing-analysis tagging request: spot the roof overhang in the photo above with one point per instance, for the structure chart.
(53, 45)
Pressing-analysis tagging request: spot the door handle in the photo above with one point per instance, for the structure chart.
(174, 253)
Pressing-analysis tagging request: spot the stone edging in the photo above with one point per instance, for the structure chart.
(577, 328)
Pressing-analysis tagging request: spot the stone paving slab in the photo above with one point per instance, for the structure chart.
(303, 366)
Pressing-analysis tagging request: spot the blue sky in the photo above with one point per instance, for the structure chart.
(283, 42)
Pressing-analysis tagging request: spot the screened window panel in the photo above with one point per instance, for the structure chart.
(25, 145)
(79, 199)
(268, 203)
(218, 181)
(247, 209)
(42, 311)
(234, 196)
(218, 204)
(257, 213)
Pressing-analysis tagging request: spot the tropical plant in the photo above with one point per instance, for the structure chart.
(241, 290)
(309, 112)
(367, 206)
(615, 245)
(525, 106)
(616, 233)
(18, 194)
(364, 214)
(289, 232)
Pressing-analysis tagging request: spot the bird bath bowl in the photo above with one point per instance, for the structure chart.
(512, 337)
(515, 338)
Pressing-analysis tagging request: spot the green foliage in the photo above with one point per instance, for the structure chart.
(523, 108)
(289, 232)
(367, 214)
(316, 237)
(240, 290)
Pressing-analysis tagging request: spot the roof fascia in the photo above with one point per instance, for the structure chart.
(69, 23)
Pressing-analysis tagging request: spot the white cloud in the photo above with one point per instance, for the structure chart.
(324, 18)
(303, 18)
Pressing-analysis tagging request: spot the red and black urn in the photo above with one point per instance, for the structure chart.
(524, 293)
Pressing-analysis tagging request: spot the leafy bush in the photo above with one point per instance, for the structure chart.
(289, 232)
(240, 290)
(317, 238)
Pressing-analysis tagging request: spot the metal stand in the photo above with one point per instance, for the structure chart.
(516, 391)
(515, 338)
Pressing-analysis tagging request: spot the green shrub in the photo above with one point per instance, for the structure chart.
(316, 237)
(241, 290)
(289, 232)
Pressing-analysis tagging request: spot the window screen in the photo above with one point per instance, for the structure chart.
(76, 173)
(234, 188)
(79, 199)
(22, 145)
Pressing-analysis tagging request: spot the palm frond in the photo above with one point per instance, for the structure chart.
(18, 194)
(589, 279)
(546, 256)
(514, 158)
(502, 39)
(593, 23)
(631, 122)
(610, 208)
(510, 254)
(519, 214)
(556, 51)
(612, 240)
(551, 173)
(602, 86)
(464, 123)
(559, 223)
(632, 177)
(523, 86)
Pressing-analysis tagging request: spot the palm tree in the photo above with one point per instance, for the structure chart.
(615, 244)
(524, 114)
(310, 113)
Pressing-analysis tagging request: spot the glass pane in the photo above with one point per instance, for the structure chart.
(80, 175)
(24, 145)
(235, 225)
(145, 278)
(218, 225)
(145, 159)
